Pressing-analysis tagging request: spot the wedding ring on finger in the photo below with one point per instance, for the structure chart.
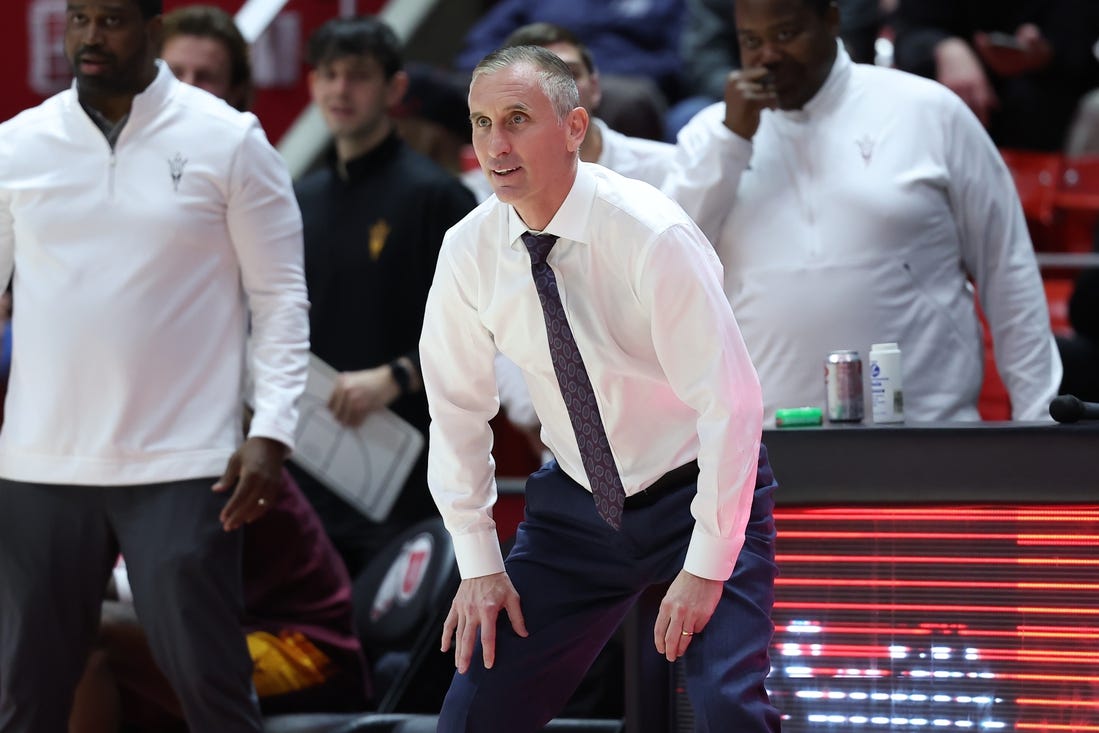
(687, 633)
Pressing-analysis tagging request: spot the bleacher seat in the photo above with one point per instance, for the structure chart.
(1037, 179)
(1058, 292)
(1076, 205)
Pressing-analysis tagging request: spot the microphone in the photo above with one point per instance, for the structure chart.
(1066, 408)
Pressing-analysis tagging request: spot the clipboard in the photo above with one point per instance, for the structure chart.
(367, 466)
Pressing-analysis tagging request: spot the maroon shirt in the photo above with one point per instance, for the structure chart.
(294, 580)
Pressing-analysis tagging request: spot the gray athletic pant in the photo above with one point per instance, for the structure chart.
(57, 547)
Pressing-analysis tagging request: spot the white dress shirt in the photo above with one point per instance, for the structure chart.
(136, 272)
(642, 290)
(633, 157)
(858, 220)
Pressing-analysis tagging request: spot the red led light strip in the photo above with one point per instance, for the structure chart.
(948, 514)
(894, 583)
(1058, 702)
(962, 589)
(937, 608)
(876, 652)
(1059, 539)
(936, 559)
(799, 635)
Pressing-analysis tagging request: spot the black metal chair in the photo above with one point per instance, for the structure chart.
(400, 600)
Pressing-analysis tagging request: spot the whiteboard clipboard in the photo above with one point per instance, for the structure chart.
(366, 466)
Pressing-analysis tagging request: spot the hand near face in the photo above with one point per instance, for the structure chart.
(357, 394)
(958, 68)
(747, 93)
(684, 612)
(476, 605)
(1029, 52)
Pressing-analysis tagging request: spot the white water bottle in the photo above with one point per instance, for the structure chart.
(886, 384)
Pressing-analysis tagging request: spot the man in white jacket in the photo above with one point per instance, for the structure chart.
(147, 224)
(852, 205)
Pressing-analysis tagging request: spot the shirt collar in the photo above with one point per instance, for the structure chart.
(368, 163)
(149, 101)
(572, 217)
(831, 90)
(152, 98)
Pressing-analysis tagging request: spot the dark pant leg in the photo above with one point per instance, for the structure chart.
(185, 572)
(55, 557)
(576, 581)
(728, 663)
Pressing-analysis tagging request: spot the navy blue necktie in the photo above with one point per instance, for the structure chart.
(576, 389)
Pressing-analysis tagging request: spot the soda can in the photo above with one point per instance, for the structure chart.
(843, 381)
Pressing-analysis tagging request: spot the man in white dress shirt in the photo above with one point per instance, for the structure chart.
(609, 299)
(851, 205)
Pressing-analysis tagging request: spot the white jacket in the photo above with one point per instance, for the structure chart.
(859, 219)
(135, 273)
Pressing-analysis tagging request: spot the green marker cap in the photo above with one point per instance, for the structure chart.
(793, 417)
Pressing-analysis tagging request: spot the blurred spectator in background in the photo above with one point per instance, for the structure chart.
(1083, 136)
(374, 217)
(710, 50)
(433, 118)
(851, 204)
(203, 48)
(1022, 66)
(636, 42)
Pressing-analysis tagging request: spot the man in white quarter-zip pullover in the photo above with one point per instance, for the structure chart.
(852, 205)
(147, 225)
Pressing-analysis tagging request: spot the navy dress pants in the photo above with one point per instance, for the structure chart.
(577, 578)
(57, 547)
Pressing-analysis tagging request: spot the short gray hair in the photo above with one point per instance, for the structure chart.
(554, 75)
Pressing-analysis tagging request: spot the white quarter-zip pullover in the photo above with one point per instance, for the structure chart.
(136, 270)
(860, 219)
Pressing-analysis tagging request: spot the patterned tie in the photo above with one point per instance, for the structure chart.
(576, 389)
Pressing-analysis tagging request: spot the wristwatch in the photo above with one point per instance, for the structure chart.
(401, 376)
